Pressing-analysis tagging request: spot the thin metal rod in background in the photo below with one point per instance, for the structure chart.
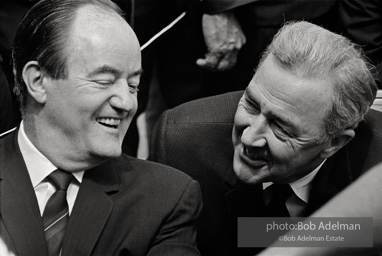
(163, 31)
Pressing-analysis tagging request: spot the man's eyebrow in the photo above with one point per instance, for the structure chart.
(280, 119)
(114, 71)
(285, 122)
(104, 69)
(250, 95)
(136, 73)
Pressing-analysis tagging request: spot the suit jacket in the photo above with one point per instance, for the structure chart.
(9, 114)
(124, 206)
(196, 138)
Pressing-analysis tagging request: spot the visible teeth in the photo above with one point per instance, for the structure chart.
(109, 121)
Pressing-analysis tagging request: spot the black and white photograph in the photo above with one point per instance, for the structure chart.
(190, 127)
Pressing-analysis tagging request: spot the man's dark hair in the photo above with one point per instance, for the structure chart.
(43, 36)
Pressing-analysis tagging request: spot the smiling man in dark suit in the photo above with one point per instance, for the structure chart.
(298, 129)
(65, 187)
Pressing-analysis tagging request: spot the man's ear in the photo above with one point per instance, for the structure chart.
(34, 80)
(337, 142)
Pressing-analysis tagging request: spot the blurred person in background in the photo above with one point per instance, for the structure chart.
(361, 21)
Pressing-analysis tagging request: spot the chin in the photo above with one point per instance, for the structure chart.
(246, 175)
(114, 154)
(108, 152)
(241, 173)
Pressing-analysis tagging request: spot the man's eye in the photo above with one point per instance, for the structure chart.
(104, 82)
(250, 107)
(134, 88)
(281, 130)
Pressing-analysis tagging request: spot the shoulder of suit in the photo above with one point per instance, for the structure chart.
(214, 109)
(146, 167)
(373, 120)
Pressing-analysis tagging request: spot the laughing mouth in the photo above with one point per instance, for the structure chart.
(109, 122)
(254, 155)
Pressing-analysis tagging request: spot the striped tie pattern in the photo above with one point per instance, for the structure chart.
(56, 212)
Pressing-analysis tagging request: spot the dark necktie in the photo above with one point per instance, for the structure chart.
(280, 193)
(56, 213)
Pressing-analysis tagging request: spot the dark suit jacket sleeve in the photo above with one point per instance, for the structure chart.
(9, 117)
(158, 140)
(362, 23)
(178, 235)
(217, 6)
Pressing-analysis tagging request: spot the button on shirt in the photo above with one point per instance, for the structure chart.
(39, 168)
(298, 202)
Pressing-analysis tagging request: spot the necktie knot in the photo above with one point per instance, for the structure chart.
(276, 207)
(281, 192)
(60, 179)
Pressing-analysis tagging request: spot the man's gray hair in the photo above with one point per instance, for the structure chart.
(309, 51)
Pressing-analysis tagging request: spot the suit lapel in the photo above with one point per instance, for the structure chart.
(19, 208)
(243, 200)
(91, 210)
(333, 176)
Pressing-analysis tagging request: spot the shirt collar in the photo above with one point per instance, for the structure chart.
(302, 186)
(38, 166)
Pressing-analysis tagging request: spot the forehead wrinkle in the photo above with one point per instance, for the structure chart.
(92, 30)
(266, 107)
(266, 88)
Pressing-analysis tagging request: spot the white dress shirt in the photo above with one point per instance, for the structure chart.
(4, 250)
(297, 203)
(39, 168)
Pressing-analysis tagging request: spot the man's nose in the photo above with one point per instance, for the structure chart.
(122, 98)
(254, 135)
